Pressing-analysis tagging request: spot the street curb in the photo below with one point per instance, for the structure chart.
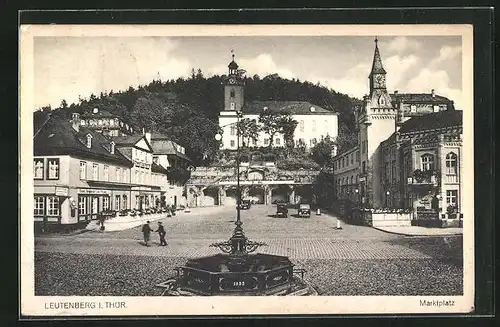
(416, 235)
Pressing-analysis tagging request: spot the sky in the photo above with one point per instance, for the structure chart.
(69, 67)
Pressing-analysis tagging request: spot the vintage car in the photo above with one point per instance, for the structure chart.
(281, 210)
(304, 210)
(245, 205)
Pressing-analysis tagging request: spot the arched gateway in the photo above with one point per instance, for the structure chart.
(259, 184)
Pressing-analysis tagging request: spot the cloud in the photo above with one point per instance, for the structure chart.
(397, 68)
(353, 83)
(402, 43)
(446, 53)
(438, 80)
(68, 68)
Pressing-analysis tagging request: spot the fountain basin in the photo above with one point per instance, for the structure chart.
(253, 274)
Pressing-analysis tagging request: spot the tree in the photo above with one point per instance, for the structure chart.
(249, 130)
(324, 188)
(288, 125)
(270, 124)
(322, 152)
(64, 104)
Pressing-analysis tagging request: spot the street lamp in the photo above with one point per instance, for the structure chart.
(387, 193)
(238, 245)
(356, 191)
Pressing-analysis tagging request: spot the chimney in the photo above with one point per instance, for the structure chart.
(95, 111)
(75, 121)
(433, 93)
(148, 137)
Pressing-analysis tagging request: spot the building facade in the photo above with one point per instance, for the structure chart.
(79, 173)
(172, 157)
(314, 122)
(106, 123)
(393, 130)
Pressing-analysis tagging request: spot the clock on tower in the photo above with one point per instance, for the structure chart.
(379, 81)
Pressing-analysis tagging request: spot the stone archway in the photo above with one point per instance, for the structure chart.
(280, 194)
(211, 196)
(256, 194)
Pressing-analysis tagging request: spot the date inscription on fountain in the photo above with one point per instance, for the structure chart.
(238, 283)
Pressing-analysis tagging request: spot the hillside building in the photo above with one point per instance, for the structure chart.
(314, 122)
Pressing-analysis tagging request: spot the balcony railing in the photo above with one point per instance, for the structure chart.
(428, 177)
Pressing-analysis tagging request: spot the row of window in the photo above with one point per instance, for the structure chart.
(428, 163)
(141, 156)
(52, 171)
(347, 180)
(277, 141)
(326, 126)
(47, 206)
(120, 174)
(97, 174)
(347, 160)
(101, 122)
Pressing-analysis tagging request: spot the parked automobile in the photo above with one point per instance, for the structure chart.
(245, 205)
(304, 210)
(281, 210)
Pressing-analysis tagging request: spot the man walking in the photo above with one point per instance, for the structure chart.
(161, 233)
(146, 232)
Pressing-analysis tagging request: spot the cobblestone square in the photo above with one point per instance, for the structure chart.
(355, 260)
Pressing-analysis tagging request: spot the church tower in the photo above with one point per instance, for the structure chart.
(379, 97)
(376, 123)
(234, 85)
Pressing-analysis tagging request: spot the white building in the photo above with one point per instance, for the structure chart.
(314, 122)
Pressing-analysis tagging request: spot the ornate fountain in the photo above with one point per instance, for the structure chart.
(237, 271)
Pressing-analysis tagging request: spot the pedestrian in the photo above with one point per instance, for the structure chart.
(161, 233)
(146, 231)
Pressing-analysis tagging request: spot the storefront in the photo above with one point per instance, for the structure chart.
(146, 197)
(50, 204)
(91, 202)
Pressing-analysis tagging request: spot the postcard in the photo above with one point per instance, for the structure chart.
(246, 169)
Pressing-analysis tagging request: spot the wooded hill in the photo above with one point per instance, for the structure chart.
(187, 109)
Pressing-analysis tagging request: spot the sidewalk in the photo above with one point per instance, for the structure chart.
(421, 231)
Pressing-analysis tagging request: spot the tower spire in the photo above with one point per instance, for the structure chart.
(377, 67)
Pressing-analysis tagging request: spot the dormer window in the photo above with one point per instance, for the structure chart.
(89, 141)
(233, 105)
(112, 148)
(381, 101)
(82, 122)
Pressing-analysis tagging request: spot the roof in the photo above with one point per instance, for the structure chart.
(233, 65)
(377, 67)
(419, 98)
(293, 107)
(166, 147)
(57, 137)
(158, 169)
(163, 146)
(127, 140)
(432, 121)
